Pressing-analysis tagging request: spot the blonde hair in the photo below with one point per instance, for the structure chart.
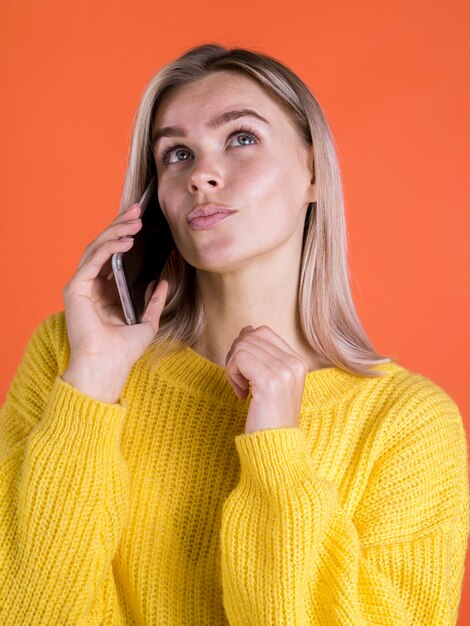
(327, 317)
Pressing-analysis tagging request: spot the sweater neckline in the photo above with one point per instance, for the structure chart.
(189, 369)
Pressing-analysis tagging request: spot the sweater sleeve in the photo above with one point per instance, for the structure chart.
(63, 492)
(292, 553)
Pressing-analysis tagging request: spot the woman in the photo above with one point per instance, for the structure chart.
(242, 456)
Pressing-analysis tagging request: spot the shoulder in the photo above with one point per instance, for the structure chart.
(407, 385)
(413, 405)
(416, 391)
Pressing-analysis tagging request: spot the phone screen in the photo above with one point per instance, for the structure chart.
(135, 269)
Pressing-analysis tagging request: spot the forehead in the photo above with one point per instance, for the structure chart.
(212, 94)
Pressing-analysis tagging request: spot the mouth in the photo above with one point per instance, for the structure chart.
(206, 222)
(206, 210)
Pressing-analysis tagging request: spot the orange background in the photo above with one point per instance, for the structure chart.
(393, 79)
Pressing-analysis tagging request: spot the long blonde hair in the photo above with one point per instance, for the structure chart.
(327, 317)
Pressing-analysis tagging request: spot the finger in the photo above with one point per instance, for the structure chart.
(130, 216)
(132, 212)
(267, 355)
(266, 333)
(238, 382)
(90, 268)
(109, 291)
(134, 225)
(244, 371)
(115, 231)
(156, 305)
(249, 365)
(287, 355)
(292, 359)
(107, 270)
(273, 364)
(243, 332)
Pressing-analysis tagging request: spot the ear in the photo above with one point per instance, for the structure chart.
(311, 192)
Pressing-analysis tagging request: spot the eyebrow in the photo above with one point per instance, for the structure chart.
(228, 116)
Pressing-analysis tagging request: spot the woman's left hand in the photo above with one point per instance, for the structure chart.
(261, 360)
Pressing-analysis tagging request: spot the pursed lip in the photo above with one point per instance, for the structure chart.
(204, 210)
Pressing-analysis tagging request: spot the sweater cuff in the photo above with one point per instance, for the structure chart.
(275, 458)
(75, 416)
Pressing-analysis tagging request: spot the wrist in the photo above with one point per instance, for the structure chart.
(94, 381)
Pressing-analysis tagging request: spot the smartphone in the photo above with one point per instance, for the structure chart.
(135, 269)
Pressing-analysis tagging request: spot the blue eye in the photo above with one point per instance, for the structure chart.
(166, 154)
(250, 135)
(178, 148)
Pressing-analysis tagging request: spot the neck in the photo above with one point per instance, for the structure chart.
(252, 297)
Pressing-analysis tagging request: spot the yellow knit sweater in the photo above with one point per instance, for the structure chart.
(160, 510)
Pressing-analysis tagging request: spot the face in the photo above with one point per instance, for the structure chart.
(256, 166)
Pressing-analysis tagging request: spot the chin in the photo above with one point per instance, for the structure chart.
(217, 268)
(215, 257)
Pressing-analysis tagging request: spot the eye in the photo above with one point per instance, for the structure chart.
(244, 132)
(251, 136)
(177, 149)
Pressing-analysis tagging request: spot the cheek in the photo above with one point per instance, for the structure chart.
(256, 181)
(273, 196)
(268, 188)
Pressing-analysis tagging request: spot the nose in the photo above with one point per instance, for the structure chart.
(205, 174)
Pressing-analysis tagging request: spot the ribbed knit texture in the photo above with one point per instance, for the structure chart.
(160, 510)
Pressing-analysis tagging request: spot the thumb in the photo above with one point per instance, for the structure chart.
(156, 304)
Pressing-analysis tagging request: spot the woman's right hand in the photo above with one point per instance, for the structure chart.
(103, 347)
